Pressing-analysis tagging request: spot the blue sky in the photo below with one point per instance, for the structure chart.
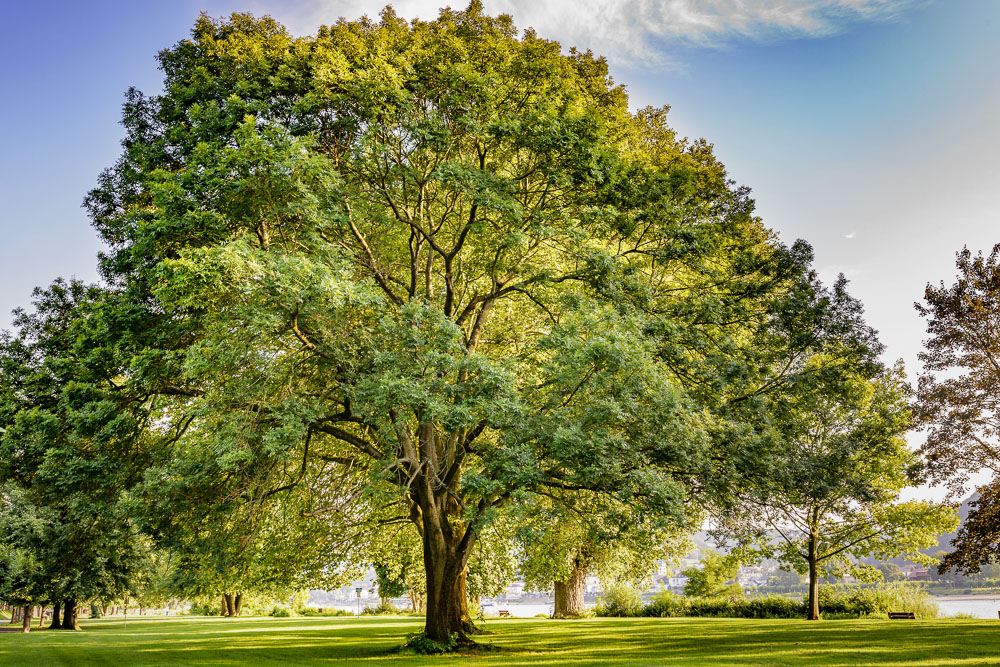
(867, 127)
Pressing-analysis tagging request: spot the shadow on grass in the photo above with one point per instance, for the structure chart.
(341, 640)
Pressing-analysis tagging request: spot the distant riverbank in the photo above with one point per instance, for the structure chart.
(980, 606)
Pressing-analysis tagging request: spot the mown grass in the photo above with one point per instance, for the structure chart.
(625, 641)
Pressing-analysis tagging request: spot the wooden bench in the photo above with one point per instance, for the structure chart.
(504, 613)
(902, 615)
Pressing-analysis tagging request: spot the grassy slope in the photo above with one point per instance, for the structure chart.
(266, 641)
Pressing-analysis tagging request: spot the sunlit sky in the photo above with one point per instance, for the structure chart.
(867, 127)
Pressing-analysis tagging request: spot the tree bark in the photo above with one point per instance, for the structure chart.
(227, 605)
(813, 559)
(417, 601)
(238, 604)
(55, 624)
(445, 562)
(569, 593)
(69, 621)
(26, 619)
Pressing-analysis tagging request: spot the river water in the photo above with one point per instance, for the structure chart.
(978, 606)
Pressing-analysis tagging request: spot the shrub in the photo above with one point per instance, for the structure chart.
(421, 643)
(619, 600)
(313, 611)
(383, 609)
(834, 601)
(281, 612)
(878, 600)
(665, 604)
(204, 609)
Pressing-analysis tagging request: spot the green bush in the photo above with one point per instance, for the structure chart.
(383, 609)
(313, 611)
(421, 643)
(204, 609)
(878, 600)
(665, 605)
(834, 601)
(281, 612)
(619, 600)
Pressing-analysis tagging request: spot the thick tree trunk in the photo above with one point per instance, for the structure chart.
(55, 624)
(238, 604)
(569, 593)
(227, 604)
(69, 621)
(26, 619)
(445, 566)
(813, 559)
(447, 608)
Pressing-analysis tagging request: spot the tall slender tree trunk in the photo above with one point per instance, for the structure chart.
(813, 559)
(26, 619)
(69, 621)
(417, 601)
(569, 592)
(55, 624)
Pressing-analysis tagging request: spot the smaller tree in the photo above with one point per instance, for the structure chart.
(390, 584)
(566, 536)
(831, 499)
(891, 572)
(716, 576)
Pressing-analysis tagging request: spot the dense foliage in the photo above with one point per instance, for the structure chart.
(959, 399)
(426, 296)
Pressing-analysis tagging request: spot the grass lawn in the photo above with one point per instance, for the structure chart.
(372, 640)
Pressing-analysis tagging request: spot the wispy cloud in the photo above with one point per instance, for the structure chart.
(636, 31)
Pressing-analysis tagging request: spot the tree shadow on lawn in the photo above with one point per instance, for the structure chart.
(523, 641)
(754, 642)
(215, 642)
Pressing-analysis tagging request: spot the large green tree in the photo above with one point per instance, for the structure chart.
(422, 270)
(70, 448)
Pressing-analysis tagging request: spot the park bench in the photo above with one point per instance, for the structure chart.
(902, 615)
(504, 613)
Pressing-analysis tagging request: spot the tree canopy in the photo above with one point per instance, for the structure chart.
(404, 283)
(959, 398)
(427, 265)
